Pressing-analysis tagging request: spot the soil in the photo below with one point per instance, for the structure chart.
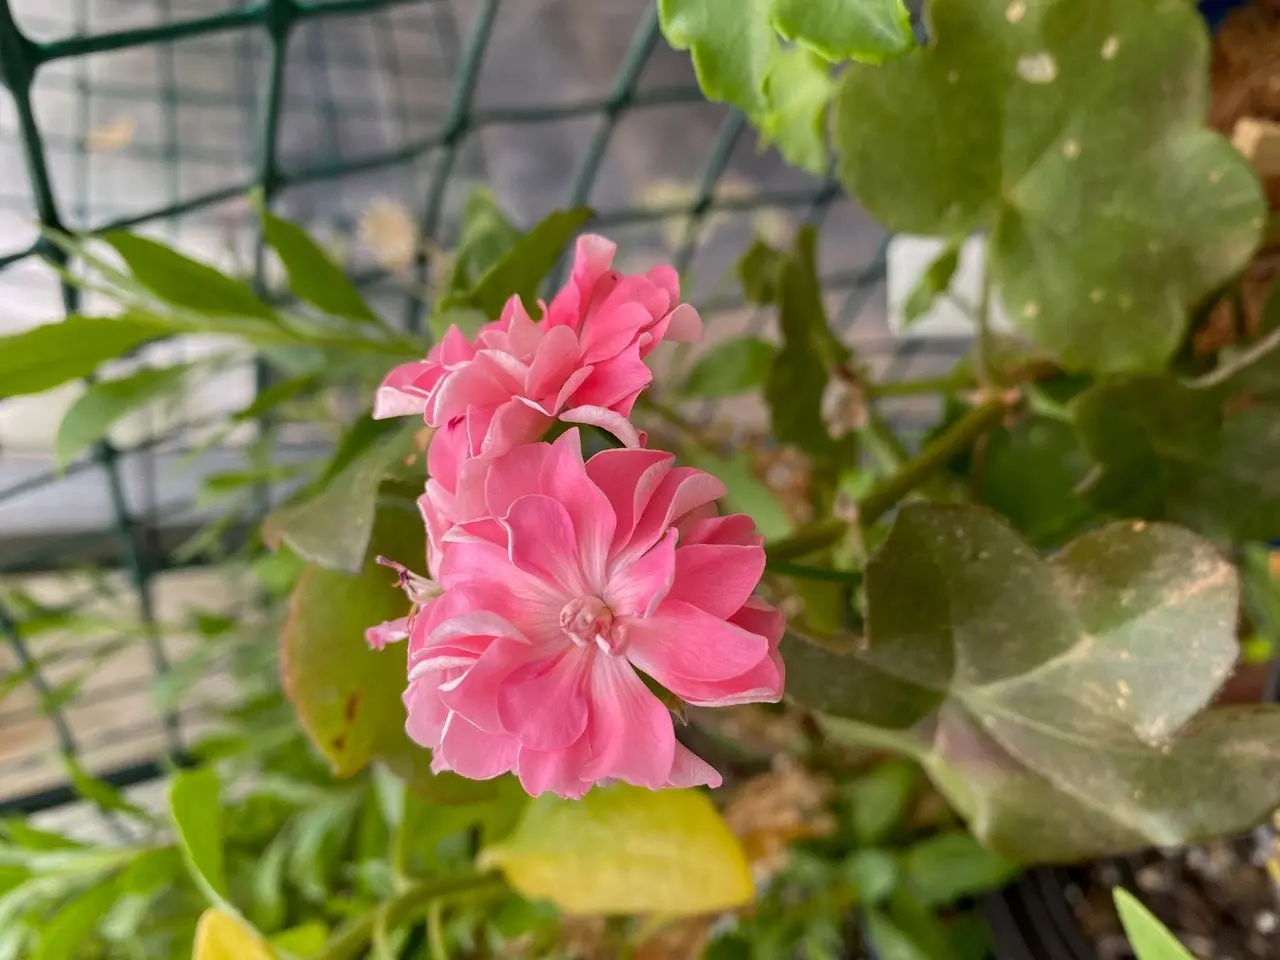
(1219, 899)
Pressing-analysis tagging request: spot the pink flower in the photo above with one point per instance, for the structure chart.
(578, 579)
(582, 363)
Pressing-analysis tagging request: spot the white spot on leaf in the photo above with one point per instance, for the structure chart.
(1097, 294)
(1215, 176)
(1038, 67)
(1071, 149)
(1015, 11)
(1110, 47)
(1031, 310)
(953, 76)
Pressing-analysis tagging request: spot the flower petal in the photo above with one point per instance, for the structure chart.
(554, 771)
(390, 631)
(628, 477)
(631, 733)
(543, 704)
(606, 419)
(636, 589)
(736, 528)
(690, 770)
(717, 578)
(556, 358)
(399, 395)
(514, 474)
(564, 478)
(471, 752)
(764, 682)
(681, 642)
(680, 492)
(542, 542)
(613, 381)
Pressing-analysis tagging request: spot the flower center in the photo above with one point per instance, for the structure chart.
(587, 620)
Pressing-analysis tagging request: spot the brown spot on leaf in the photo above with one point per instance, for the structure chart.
(339, 743)
(351, 708)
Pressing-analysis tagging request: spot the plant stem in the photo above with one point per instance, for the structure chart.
(885, 496)
(905, 388)
(983, 347)
(354, 939)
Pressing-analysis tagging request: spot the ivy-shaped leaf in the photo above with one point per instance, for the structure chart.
(625, 849)
(1200, 452)
(1073, 132)
(1064, 697)
(871, 31)
(348, 696)
(739, 58)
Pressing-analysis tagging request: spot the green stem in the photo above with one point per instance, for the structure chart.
(983, 347)
(354, 939)
(885, 496)
(906, 388)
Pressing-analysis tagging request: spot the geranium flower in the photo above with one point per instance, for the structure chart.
(581, 580)
(582, 363)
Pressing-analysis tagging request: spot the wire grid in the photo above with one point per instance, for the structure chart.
(163, 115)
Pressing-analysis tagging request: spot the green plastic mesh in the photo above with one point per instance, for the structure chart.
(163, 115)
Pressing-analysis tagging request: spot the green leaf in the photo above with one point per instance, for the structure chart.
(348, 696)
(732, 43)
(332, 528)
(467, 320)
(99, 792)
(487, 236)
(879, 800)
(871, 31)
(1029, 474)
(734, 366)
(873, 872)
(184, 282)
(745, 492)
(1197, 452)
(798, 89)
(801, 370)
(75, 922)
(1068, 693)
(523, 267)
(1150, 939)
(935, 282)
(758, 269)
(304, 940)
(953, 866)
(906, 930)
(104, 403)
(624, 849)
(53, 354)
(1072, 131)
(195, 805)
(313, 276)
(739, 59)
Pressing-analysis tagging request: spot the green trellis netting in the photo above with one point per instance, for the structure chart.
(163, 115)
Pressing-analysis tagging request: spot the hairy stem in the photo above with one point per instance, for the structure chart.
(354, 939)
(885, 496)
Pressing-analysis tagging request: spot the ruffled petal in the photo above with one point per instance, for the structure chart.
(636, 589)
(554, 771)
(542, 542)
(690, 770)
(631, 733)
(717, 578)
(543, 703)
(564, 478)
(680, 642)
(471, 752)
(607, 420)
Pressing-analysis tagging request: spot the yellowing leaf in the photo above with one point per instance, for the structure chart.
(626, 850)
(220, 936)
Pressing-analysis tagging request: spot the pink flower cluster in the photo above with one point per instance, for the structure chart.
(557, 585)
